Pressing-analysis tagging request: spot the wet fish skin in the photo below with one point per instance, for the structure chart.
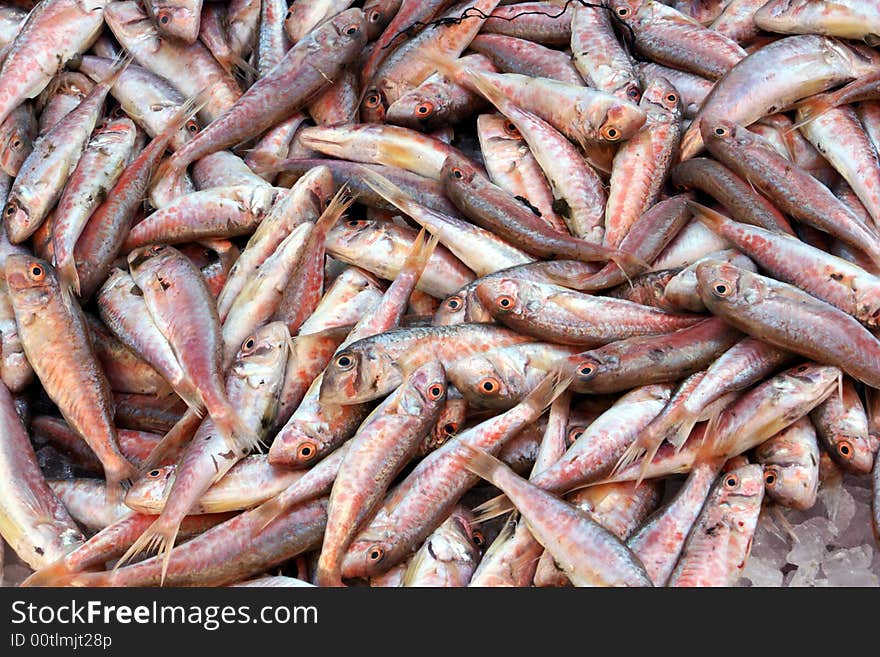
(791, 465)
(842, 426)
(448, 557)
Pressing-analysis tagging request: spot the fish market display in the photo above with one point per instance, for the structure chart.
(439, 294)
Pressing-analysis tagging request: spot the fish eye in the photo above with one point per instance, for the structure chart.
(505, 302)
(720, 131)
(450, 428)
(845, 449)
(11, 208)
(164, 17)
(344, 362)
(586, 369)
(731, 481)
(152, 474)
(376, 553)
(373, 100)
(574, 435)
(610, 133)
(478, 538)
(672, 99)
(457, 173)
(436, 391)
(623, 12)
(490, 385)
(453, 303)
(770, 478)
(425, 109)
(248, 344)
(37, 272)
(375, 16)
(633, 93)
(722, 289)
(192, 126)
(511, 129)
(352, 29)
(16, 144)
(307, 451)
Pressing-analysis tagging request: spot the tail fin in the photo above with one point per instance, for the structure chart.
(546, 392)
(493, 508)
(118, 68)
(707, 216)
(68, 273)
(337, 207)
(118, 479)
(240, 438)
(812, 108)
(482, 463)
(269, 510)
(387, 190)
(158, 538)
(419, 254)
(52, 575)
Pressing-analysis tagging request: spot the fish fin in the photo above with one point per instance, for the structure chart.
(420, 253)
(811, 109)
(52, 575)
(180, 433)
(242, 68)
(237, 434)
(493, 508)
(118, 67)
(387, 190)
(337, 207)
(268, 511)
(157, 538)
(118, 481)
(69, 275)
(707, 216)
(627, 262)
(546, 392)
(482, 463)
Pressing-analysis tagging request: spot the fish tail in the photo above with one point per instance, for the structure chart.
(386, 189)
(238, 435)
(51, 575)
(68, 273)
(117, 68)
(337, 207)
(240, 67)
(546, 392)
(482, 463)
(707, 216)
(145, 543)
(329, 570)
(268, 511)
(812, 108)
(419, 254)
(493, 508)
(119, 478)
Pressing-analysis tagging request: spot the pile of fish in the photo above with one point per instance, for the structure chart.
(432, 293)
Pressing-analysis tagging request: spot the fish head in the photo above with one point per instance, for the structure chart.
(663, 98)
(131, 24)
(494, 379)
(30, 279)
(176, 20)
(621, 121)
(582, 367)
(500, 296)
(378, 14)
(152, 489)
(720, 283)
(369, 555)
(625, 10)
(792, 485)
(16, 216)
(359, 373)
(373, 106)
(262, 356)
(318, 181)
(722, 134)
(419, 109)
(345, 35)
(424, 391)
(739, 491)
(450, 420)
(852, 451)
(452, 310)
(17, 145)
(146, 257)
(457, 171)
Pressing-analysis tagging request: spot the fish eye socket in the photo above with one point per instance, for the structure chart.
(511, 129)
(574, 435)
(504, 302)
(478, 538)
(16, 144)
(373, 100)
(192, 127)
(450, 428)
(375, 16)
(490, 385)
(720, 132)
(586, 369)
(425, 109)
(623, 12)
(436, 391)
(731, 481)
(344, 362)
(457, 173)
(633, 92)
(152, 474)
(453, 303)
(164, 17)
(37, 272)
(307, 451)
(11, 208)
(611, 133)
(770, 478)
(845, 449)
(249, 344)
(351, 30)
(671, 99)
(721, 289)
(376, 553)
